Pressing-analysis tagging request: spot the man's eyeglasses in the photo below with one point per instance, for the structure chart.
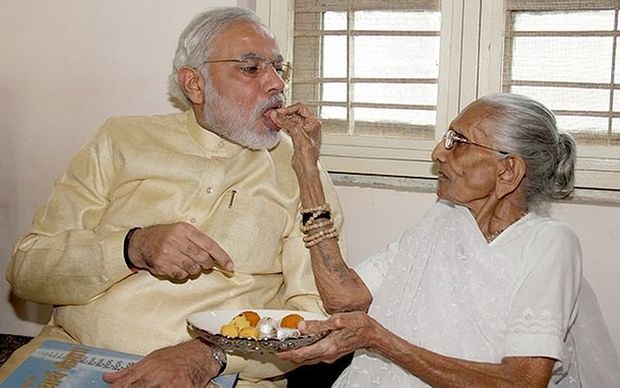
(256, 67)
(452, 137)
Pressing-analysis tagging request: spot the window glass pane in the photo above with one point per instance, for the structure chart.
(617, 67)
(565, 21)
(414, 94)
(615, 127)
(405, 116)
(616, 106)
(333, 112)
(334, 91)
(567, 98)
(335, 56)
(396, 57)
(397, 21)
(577, 59)
(583, 124)
(334, 21)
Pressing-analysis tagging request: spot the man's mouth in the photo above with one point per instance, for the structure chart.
(273, 126)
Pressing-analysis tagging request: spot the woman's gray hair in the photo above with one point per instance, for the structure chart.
(525, 127)
(196, 41)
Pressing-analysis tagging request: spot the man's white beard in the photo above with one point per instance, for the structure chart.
(240, 126)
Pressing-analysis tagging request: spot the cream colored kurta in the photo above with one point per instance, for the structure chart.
(141, 171)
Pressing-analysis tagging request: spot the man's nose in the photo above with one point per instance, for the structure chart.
(273, 79)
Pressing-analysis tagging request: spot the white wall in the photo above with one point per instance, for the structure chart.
(67, 65)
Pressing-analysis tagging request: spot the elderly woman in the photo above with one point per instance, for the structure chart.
(483, 290)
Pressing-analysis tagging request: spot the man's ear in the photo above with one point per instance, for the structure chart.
(510, 175)
(192, 84)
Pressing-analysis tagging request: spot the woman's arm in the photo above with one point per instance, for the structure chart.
(357, 330)
(340, 287)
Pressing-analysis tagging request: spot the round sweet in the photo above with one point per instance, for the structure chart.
(251, 316)
(249, 332)
(290, 321)
(229, 330)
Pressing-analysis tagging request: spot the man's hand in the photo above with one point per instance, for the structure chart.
(349, 332)
(189, 364)
(176, 251)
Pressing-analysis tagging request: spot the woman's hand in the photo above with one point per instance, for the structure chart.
(305, 131)
(349, 332)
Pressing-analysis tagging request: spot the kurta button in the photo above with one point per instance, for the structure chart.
(193, 220)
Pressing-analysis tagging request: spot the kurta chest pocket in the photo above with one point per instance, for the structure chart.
(250, 229)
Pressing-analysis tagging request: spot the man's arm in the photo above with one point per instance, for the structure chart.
(190, 364)
(72, 254)
(65, 257)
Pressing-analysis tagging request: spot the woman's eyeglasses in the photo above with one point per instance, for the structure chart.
(452, 137)
(255, 66)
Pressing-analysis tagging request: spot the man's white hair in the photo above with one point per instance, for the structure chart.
(196, 41)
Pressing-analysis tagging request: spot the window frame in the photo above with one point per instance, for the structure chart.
(467, 70)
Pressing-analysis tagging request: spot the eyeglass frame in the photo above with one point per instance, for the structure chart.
(456, 138)
(283, 72)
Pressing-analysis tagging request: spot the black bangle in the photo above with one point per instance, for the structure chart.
(305, 217)
(126, 242)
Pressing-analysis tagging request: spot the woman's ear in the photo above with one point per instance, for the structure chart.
(510, 175)
(192, 84)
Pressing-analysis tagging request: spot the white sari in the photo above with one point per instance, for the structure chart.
(446, 289)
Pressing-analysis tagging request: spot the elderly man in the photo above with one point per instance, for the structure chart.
(160, 217)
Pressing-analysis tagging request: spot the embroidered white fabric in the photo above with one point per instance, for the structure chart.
(443, 287)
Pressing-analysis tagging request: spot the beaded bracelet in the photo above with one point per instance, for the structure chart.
(310, 244)
(319, 235)
(323, 208)
(313, 226)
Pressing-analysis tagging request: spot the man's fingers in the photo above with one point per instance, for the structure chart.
(111, 377)
(210, 252)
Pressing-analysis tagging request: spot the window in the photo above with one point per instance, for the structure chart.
(378, 69)
(565, 55)
(386, 77)
(370, 70)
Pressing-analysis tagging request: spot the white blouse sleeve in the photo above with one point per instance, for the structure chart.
(372, 270)
(544, 304)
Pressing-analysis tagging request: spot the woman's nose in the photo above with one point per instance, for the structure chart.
(439, 152)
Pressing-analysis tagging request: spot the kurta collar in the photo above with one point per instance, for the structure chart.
(211, 143)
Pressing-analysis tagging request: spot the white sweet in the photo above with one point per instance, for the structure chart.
(285, 332)
(267, 327)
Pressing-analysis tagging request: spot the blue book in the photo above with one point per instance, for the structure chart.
(61, 364)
